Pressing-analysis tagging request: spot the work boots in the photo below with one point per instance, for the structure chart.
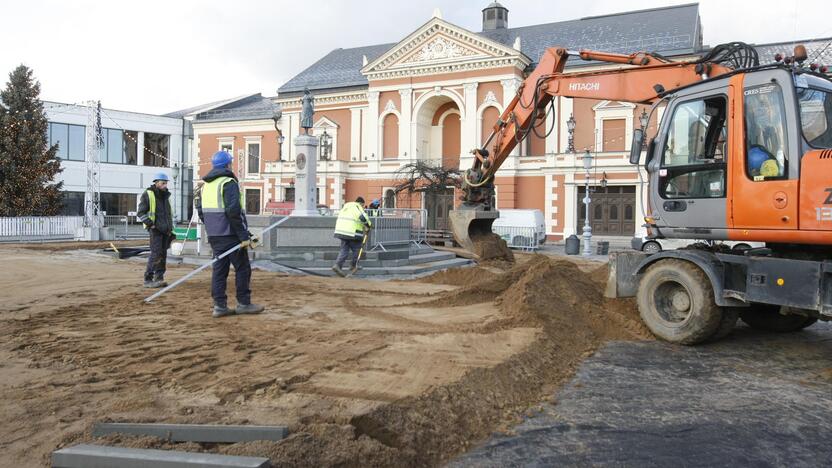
(249, 309)
(157, 282)
(354, 269)
(221, 311)
(338, 271)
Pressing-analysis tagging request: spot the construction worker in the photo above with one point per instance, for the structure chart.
(375, 208)
(157, 215)
(351, 227)
(220, 207)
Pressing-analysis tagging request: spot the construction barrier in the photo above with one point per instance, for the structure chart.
(389, 232)
(519, 237)
(40, 228)
(125, 226)
(418, 221)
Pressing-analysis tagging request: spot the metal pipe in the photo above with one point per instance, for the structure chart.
(223, 255)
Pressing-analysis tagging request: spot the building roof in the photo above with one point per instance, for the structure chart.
(670, 30)
(251, 107)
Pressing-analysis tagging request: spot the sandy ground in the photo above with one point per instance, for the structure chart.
(363, 372)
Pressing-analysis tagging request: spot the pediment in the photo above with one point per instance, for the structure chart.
(438, 42)
(613, 105)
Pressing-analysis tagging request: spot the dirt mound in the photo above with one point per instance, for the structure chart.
(491, 246)
(459, 276)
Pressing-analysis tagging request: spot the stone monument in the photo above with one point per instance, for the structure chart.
(306, 161)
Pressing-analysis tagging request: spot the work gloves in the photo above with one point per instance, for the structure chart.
(250, 243)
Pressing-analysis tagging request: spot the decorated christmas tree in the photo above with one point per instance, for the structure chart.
(28, 164)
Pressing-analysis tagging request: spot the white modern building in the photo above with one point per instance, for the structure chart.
(136, 147)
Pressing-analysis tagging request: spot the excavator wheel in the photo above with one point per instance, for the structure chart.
(769, 318)
(676, 302)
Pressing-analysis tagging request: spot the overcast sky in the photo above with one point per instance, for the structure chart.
(159, 56)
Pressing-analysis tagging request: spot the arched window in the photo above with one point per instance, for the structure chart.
(389, 198)
(451, 136)
(391, 136)
(489, 118)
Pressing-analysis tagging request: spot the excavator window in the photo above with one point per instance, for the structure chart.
(765, 132)
(693, 164)
(816, 116)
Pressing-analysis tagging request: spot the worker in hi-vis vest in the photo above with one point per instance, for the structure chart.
(157, 215)
(351, 227)
(220, 207)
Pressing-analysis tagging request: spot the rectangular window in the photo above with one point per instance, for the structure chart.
(131, 147)
(693, 163)
(73, 204)
(253, 158)
(765, 133)
(119, 203)
(613, 134)
(71, 140)
(156, 149)
(289, 194)
(112, 152)
(252, 201)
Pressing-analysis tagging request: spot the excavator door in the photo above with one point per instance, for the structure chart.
(688, 170)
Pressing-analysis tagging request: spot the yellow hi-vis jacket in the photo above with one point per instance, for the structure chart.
(213, 208)
(351, 222)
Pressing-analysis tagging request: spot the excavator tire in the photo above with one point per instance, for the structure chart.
(730, 315)
(676, 302)
(767, 317)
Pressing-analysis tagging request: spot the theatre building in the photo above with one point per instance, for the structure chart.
(433, 96)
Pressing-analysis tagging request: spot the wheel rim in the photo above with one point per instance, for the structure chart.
(673, 302)
(651, 248)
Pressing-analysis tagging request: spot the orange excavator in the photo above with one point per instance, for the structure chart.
(743, 153)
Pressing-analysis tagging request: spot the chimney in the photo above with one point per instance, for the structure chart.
(494, 16)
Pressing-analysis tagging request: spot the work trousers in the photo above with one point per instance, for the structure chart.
(219, 275)
(157, 261)
(349, 248)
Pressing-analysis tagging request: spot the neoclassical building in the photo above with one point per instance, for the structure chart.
(433, 96)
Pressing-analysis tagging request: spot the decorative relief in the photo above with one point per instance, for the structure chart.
(440, 48)
(391, 106)
(490, 98)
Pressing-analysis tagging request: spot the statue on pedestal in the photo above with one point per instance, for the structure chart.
(307, 111)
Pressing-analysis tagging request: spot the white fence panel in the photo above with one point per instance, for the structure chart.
(519, 237)
(26, 228)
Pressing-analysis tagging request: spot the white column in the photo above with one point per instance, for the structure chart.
(552, 119)
(373, 142)
(510, 87)
(306, 175)
(549, 211)
(570, 191)
(405, 138)
(140, 150)
(469, 124)
(291, 134)
(355, 133)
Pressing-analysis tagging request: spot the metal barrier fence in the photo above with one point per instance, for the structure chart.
(125, 226)
(519, 237)
(31, 228)
(388, 232)
(418, 221)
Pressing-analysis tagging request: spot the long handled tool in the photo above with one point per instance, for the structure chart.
(360, 252)
(223, 255)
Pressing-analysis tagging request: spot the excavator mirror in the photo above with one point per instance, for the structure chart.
(635, 148)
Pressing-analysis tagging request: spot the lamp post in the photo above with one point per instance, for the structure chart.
(570, 126)
(587, 200)
(644, 119)
(276, 118)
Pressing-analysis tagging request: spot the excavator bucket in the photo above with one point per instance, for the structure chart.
(469, 225)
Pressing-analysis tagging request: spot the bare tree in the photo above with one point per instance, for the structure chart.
(421, 176)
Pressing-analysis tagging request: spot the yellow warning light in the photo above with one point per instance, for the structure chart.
(780, 282)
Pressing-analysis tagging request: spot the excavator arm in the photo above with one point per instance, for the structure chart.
(644, 78)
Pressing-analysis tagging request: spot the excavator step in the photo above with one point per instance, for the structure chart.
(101, 456)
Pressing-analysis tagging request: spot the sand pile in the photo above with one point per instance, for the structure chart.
(490, 246)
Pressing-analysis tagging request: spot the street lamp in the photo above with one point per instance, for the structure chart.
(644, 119)
(587, 228)
(326, 145)
(278, 113)
(570, 126)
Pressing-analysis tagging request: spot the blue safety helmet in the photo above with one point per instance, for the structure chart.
(376, 202)
(756, 157)
(221, 159)
(161, 176)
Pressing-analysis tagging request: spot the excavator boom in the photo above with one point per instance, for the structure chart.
(644, 78)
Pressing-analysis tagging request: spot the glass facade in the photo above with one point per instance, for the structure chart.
(71, 140)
